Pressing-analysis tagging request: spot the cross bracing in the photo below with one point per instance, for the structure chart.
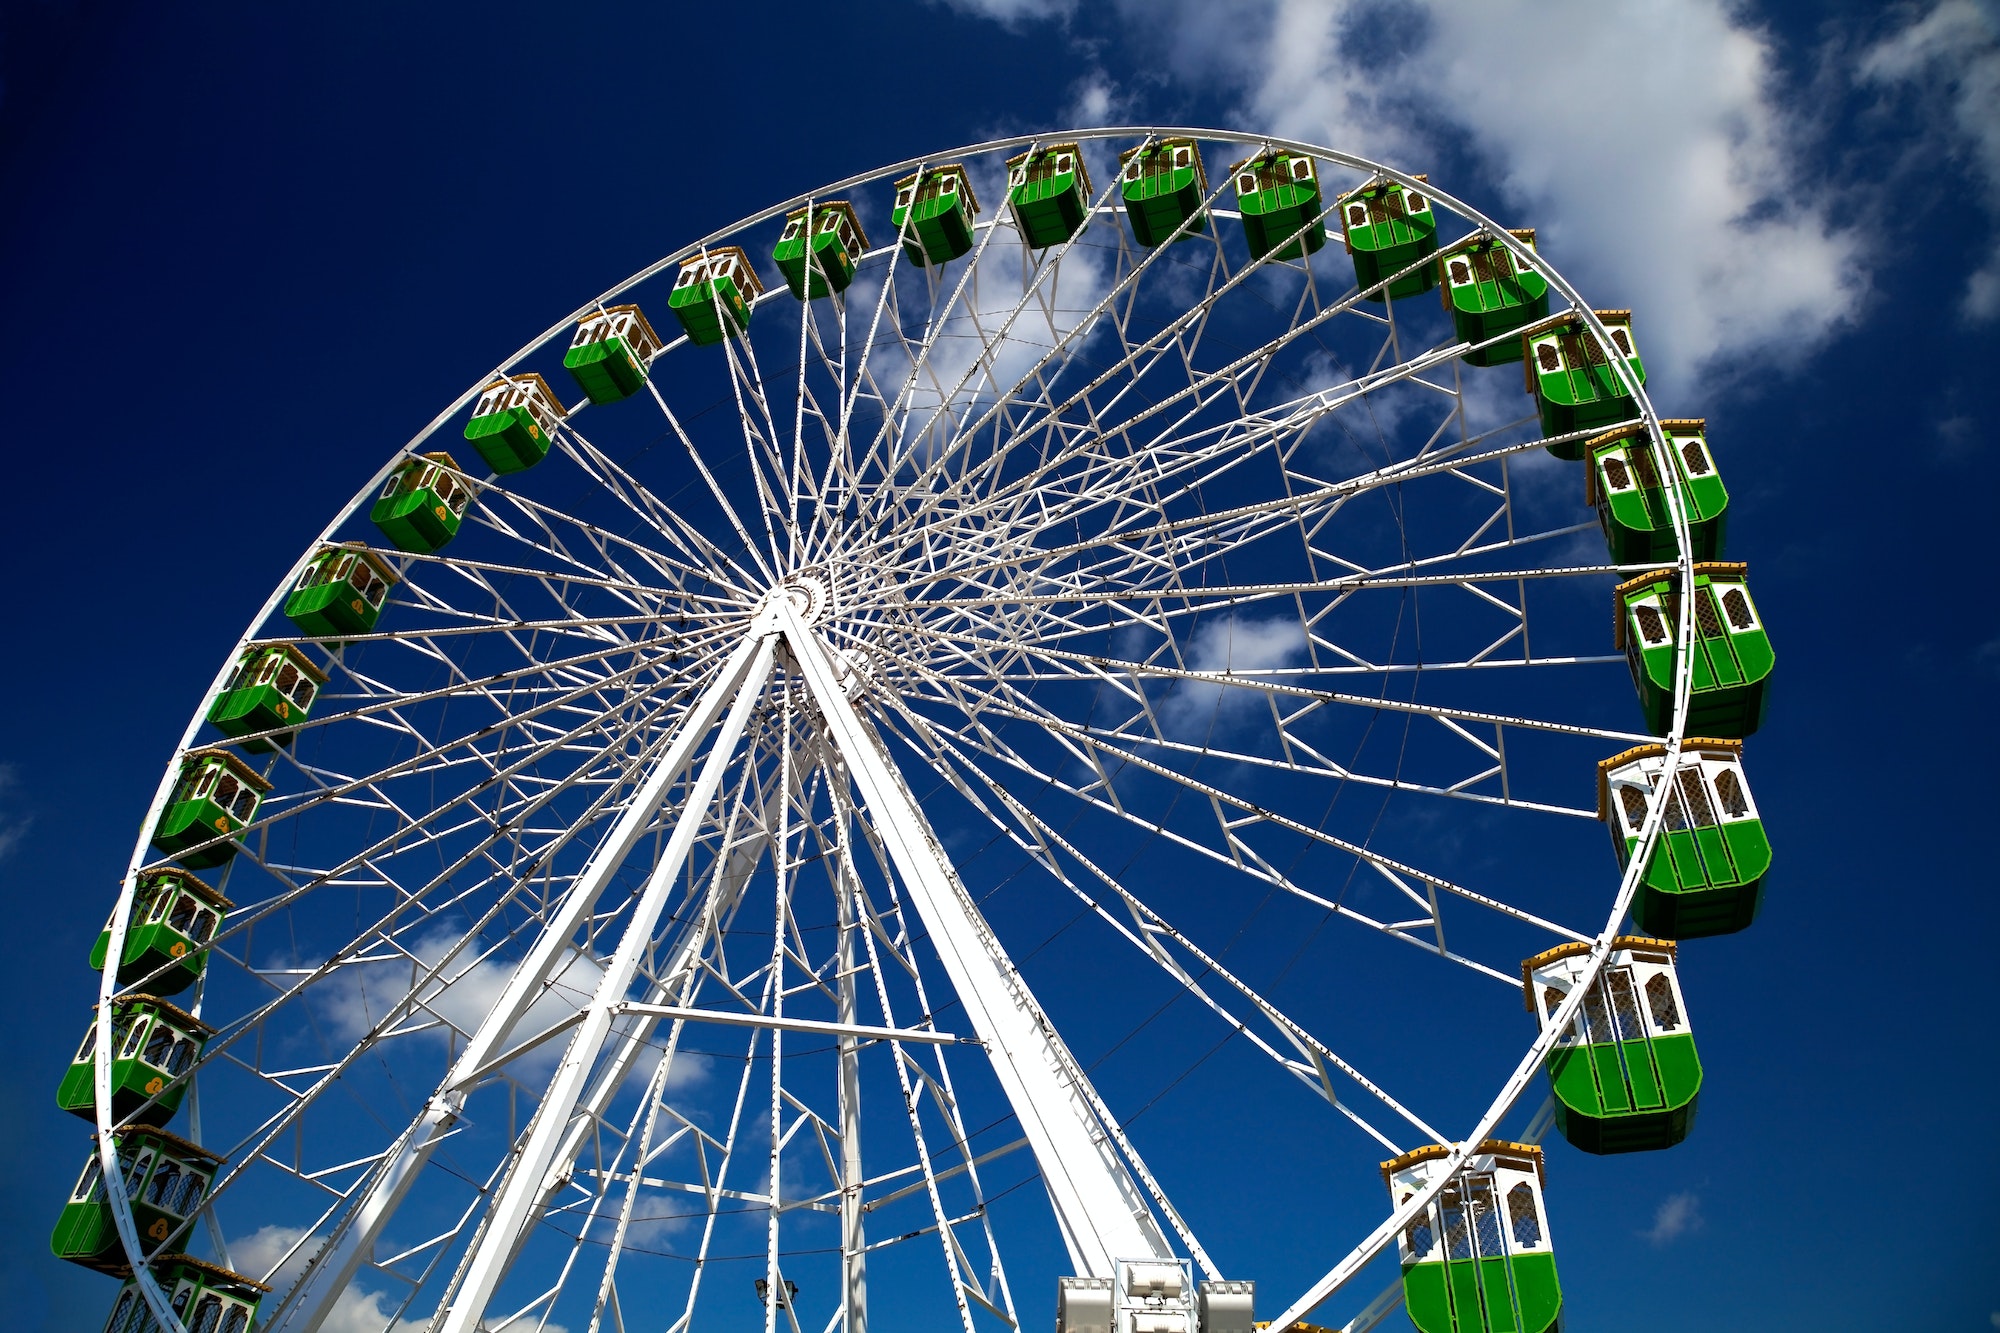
(598, 936)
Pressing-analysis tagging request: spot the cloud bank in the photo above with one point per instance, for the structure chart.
(1655, 145)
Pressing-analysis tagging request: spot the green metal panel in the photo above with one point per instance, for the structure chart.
(185, 824)
(272, 688)
(1489, 295)
(1630, 1096)
(166, 1178)
(710, 310)
(1687, 894)
(1630, 496)
(209, 1298)
(215, 794)
(1164, 189)
(340, 592)
(1517, 1294)
(606, 371)
(1049, 194)
(1732, 662)
(1574, 384)
(830, 268)
(152, 1046)
(939, 212)
(1387, 230)
(423, 505)
(1278, 198)
(163, 946)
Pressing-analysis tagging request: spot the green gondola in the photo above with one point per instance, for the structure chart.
(1049, 193)
(209, 1298)
(1622, 480)
(173, 916)
(1165, 189)
(1732, 661)
(1491, 294)
(215, 797)
(273, 686)
(1626, 1076)
(1277, 194)
(514, 422)
(1574, 385)
(1706, 876)
(424, 502)
(166, 1178)
(610, 353)
(340, 591)
(715, 294)
(1478, 1259)
(828, 241)
(1388, 229)
(153, 1045)
(934, 213)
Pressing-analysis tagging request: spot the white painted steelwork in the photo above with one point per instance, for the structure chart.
(996, 550)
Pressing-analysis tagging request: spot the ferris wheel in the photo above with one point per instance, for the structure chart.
(763, 805)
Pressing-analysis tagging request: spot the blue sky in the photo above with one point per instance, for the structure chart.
(248, 250)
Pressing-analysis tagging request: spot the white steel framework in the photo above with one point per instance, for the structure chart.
(599, 939)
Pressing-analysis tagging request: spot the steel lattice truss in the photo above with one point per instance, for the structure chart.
(577, 973)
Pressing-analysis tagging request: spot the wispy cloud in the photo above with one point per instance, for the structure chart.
(1233, 645)
(1947, 58)
(1677, 1215)
(1677, 188)
(14, 821)
(264, 1254)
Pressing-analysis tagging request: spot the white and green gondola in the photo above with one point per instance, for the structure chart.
(1165, 190)
(174, 915)
(1049, 194)
(1478, 1258)
(935, 214)
(715, 294)
(153, 1046)
(1490, 294)
(515, 419)
(166, 1178)
(1625, 1074)
(1621, 480)
(1571, 377)
(1388, 230)
(1277, 196)
(608, 357)
(207, 1298)
(272, 686)
(1732, 659)
(819, 249)
(423, 503)
(1706, 875)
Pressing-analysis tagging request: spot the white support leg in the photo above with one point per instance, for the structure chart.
(328, 1277)
(1100, 1210)
(520, 1194)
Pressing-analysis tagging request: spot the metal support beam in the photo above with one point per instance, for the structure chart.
(1099, 1208)
(844, 1030)
(520, 1195)
(354, 1238)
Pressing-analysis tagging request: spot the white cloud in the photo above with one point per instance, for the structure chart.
(260, 1253)
(1012, 11)
(1233, 644)
(358, 997)
(1951, 55)
(356, 1311)
(1650, 144)
(1677, 1215)
(13, 824)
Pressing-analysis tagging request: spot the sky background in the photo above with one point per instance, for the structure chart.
(217, 216)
